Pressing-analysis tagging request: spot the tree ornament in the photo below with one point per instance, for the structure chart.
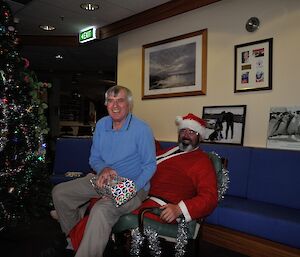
(26, 62)
(11, 190)
(11, 28)
(2, 30)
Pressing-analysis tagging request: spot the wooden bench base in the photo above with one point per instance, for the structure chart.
(246, 244)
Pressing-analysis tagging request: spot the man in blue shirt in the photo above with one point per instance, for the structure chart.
(122, 145)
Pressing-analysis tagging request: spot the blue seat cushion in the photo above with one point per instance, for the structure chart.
(273, 222)
(213, 217)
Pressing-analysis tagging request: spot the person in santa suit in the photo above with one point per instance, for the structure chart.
(185, 181)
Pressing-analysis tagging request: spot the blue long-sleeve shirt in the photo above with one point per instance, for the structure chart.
(130, 151)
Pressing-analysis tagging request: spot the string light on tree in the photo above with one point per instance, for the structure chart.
(24, 178)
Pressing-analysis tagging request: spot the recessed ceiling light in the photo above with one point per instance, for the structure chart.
(89, 6)
(47, 27)
(59, 57)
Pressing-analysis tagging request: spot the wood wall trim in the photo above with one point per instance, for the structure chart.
(246, 244)
(152, 15)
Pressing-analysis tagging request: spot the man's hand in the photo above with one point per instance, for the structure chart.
(170, 212)
(105, 176)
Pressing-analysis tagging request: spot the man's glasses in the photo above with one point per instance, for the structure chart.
(189, 132)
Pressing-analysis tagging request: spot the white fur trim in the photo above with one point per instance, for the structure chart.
(157, 200)
(178, 119)
(192, 124)
(185, 211)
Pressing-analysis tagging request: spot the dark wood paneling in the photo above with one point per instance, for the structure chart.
(246, 244)
(22, 1)
(152, 15)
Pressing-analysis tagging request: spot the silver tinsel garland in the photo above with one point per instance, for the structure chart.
(153, 240)
(138, 241)
(182, 238)
(154, 245)
(3, 124)
(222, 179)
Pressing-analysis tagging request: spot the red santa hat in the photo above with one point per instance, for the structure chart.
(192, 122)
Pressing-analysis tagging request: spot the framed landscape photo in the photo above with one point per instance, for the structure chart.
(175, 67)
(253, 66)
(225, 124)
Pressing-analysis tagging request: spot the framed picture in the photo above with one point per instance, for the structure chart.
(175, 66)
(284, 128)
(224, 124)
(253, 66)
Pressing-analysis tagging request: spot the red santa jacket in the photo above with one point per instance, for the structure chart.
(187, 179)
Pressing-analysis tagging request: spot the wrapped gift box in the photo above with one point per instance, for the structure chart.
(119, 189)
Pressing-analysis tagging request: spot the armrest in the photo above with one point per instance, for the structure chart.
(142, 212)
(220, 165)
(166, 229)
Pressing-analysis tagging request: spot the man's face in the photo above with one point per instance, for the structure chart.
(188, 139)
(118, 106)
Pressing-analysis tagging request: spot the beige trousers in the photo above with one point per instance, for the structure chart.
(70, 201)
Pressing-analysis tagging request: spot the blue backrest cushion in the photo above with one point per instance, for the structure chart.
(238, 166)
(167, 144)
(275, 177)
(72, 154)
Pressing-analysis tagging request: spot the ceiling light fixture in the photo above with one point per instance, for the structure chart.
(89, 6)
(47, 27)
(59, 57)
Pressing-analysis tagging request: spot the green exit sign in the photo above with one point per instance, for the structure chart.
(87, 34)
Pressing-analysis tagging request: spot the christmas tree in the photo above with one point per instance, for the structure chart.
(24, 178)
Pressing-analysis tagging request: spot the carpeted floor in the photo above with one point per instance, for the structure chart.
(43, 238)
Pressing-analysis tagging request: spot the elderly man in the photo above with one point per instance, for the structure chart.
(122, 145)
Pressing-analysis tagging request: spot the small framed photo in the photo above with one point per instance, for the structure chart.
(175, 67)
(225, 124)
(253, 66)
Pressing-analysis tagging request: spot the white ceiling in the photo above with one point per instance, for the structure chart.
(96, 59)
(68, 18)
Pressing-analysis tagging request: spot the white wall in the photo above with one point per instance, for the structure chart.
(225, 21)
